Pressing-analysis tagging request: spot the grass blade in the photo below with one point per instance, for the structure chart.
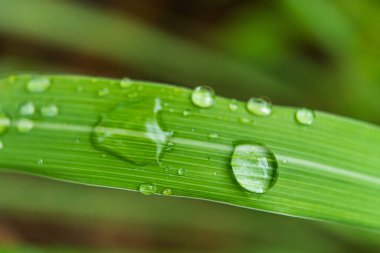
(328, 170)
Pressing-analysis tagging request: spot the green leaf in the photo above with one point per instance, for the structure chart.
(146, 133)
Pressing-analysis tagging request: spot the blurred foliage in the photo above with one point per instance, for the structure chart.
(318, 53)
(112, 219)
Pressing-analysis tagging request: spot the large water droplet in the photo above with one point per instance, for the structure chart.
(5, 122)
(259, 106)
(27, 109)
(255, 167)
(49, 111)
(25, 125)
(125, 82)
(305, 116)
(38, 84)
(138, 138)
(203, 96)
(147, 189)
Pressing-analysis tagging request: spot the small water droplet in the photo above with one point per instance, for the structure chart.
(186, 112)
(12, 79)
(79, 88)
(259, 106)
(25, 125)
(233, 106)
(167, 192)
(1, 144)
(126, 82)
(49, 111)
(244, 120)
(103, 92)
(38, 84)
(305, 116)
(255, 167)
(133, 95)
(40, 162)
(181, 172)
(5, 122)
(213, 136)
(27, 109)
(147, 189)
(203, 96)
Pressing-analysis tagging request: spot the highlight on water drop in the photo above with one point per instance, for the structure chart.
(305, 116)
(255, 167)
(203, 96)
(259, 106)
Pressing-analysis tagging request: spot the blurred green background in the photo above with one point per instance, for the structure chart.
(322, 54)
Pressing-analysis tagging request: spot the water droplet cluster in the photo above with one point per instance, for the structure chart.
(254, 166)
(148, 189)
